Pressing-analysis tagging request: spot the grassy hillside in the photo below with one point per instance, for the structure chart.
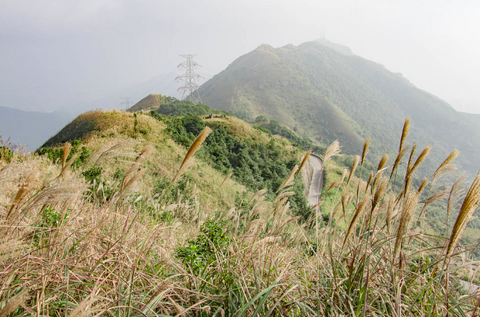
(137, 217)
(327, 95)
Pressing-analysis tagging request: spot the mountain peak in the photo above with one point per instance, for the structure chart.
(328, 93)
(342, 49)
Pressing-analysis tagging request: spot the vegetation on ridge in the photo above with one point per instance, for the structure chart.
(327, 96)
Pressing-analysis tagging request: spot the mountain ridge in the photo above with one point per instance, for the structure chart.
(329, 95)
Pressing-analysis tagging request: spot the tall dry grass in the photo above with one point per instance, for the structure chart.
(64, 253)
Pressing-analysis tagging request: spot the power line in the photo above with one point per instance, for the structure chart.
(189, 78)
(161, 82)
(127, 102)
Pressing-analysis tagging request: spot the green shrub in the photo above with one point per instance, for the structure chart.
(51, 218)
(6, 154)
(55, 154)
(202, 251)
(261, 119)
(93, 174)
(260, 128)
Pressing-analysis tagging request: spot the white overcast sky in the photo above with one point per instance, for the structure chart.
(55, 51)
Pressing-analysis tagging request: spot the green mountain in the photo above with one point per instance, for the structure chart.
(328, 94)
(149, 102)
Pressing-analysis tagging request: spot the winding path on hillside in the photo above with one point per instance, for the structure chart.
(316, 183)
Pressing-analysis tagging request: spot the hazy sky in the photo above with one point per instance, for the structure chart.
(55, 52)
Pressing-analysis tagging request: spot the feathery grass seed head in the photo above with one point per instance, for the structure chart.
(304, 161)
(469, 206)
(365, 150)
(446, 165)
(356, 160)
(406, 127)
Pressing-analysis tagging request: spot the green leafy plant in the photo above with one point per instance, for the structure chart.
(202, 251)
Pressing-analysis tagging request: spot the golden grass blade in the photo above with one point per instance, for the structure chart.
(469, 206)
(408, 210)
(383, 162)
(365, 150)
(259, 194)
(345, 201)
(406, 127)
(22, 192)
(339, 181)
(379, 192)
(408, 174)
(422, 186)
(193, 148)
(332, 150)
(369, 181)
(436, 196)
(314, 207)
(304, 161)
(356, 160)
(389, 215)
(283, 195)
(358, 212)
(410, 159)
(67, 147)
(135, 166)
(68, 164)
(456, 192)
(420, 158)
(398, 159)
(133, 180)
(57, 193)
(446, 165)
(123, 149)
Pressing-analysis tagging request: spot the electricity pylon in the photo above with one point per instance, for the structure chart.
(189, 78)
(127, 102)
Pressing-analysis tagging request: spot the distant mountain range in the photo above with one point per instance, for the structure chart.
(31, 128)
(325, 92)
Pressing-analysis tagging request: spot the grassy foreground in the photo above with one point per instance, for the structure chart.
(72, 244)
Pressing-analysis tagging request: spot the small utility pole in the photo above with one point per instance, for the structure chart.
(127, 102)
(189, 79)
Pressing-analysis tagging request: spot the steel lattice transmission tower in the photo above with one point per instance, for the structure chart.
(189, 79)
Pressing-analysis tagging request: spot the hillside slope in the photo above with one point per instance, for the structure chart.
(255, 160)
(114, 223)
(328, 96)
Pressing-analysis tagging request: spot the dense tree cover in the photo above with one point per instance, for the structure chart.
(261, 119)
(330, 96)
(177, 107)
(256, 165)
(276, 128)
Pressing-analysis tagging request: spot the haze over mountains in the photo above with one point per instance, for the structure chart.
(30, 128)
(33, 128)
(328, 93)
(320, 88)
